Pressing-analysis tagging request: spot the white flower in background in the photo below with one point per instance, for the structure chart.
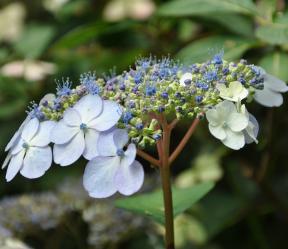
(54, 5)
(186, 79)
(234, 92)
(251, 132)
(271, 95)
(29, 70)
(12, 21)
(227, 124)
(117, 10)
(31, 155)
(115, 169)
(78, 132)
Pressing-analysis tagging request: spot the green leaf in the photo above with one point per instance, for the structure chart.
(207, 7)
(34, 41)
(200, 50)
(273, 33)
(151, 204)
(276, 63)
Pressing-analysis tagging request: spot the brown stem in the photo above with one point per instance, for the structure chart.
(147, 157)
(166, 187)
(184, 141)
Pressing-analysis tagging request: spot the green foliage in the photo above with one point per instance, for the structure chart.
(151, 204)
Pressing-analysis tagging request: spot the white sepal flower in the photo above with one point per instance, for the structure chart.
(31, 155)
(116, 169)
(271, 95)
(185, 79)
(251, 132)
(78, 132)
(234, 92)
(227, 124)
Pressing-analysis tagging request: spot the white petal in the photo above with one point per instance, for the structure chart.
(36, 162)
(15, 165)
(120, 138)
(129, 178)
(234, 140)
(108, 118)
(43, 136)
(99, 176)
(217, 131)
(66, 154)
(62, 133)
(71, 117)
(274, 83)
(130, 155)
(17, 147)
(6, 161)
(213, 117)
(268, 98)
(224, 109)
(30, 129)
(106, 144)
(91, 142)
(237, 121)
(17, 134)
(252, 130)
(89, 107)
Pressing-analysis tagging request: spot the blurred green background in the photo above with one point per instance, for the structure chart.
(44, 40)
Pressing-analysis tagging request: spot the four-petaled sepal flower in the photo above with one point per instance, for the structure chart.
(115, 169)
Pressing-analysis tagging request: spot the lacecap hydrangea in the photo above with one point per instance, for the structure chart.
(105, 119)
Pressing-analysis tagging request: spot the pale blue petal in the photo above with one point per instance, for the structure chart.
(6, 161)
(252, 130)
(108, 118)
(43, 136)
(71, 117)
(62, 133)
(129, 178)
(130, 155)
(36, 162)
(275, 84)
(15, 165)
(66, 154)
(91, 142)
(89, 107)
(99, 176)
(106, 144)
(120, 138)
(268, 98)
(30, 129)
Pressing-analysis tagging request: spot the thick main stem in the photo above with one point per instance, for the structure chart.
(166, 187)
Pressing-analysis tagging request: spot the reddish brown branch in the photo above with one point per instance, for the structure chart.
(149, 158)
(184, 141)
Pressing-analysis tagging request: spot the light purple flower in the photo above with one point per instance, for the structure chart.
(116, 169)
(78, 132)
(31, 154)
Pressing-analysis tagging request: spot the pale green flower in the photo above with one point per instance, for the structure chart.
(234, 92)
(227, 124)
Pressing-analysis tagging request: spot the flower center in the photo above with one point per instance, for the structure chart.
(120, 152)
(83, 127)
(25, 145)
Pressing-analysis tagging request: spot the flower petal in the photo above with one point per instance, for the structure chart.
(43, 136)
(6, 161)
(66, 154)
(106, 144)
(130, 155)
(108, 118)
(129, 178)
(30, 129)
(36, 162)
(275, 84)
(237, 121)
(251, 132)
(217, 131)
(268, 98)
(99, 176)
(91, 141)
(213, 117)
(15, 165)
(62, 133)
(49, 97)
(71, 117)
(89, 107)
(120, 138)
(17, 147)
(185, 76)
(234, 140)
